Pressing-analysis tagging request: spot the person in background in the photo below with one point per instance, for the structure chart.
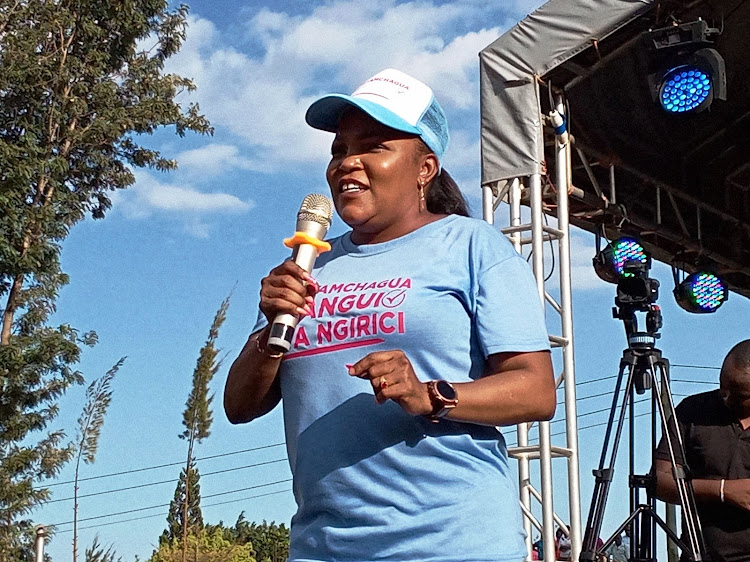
(538, 549)
(617, 551)
(715, 430)
(562, 544)
(626, 539)
(420, 332)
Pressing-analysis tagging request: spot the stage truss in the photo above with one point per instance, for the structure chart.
(620, 165)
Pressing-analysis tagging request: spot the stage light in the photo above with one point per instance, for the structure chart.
(685, 88)
(622, 258)
(685, 74)
(701, 292)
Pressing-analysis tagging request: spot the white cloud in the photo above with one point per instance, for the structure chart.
(261, 95)
(176, 198)
(581, 269)
(191, 206)
(215, 159)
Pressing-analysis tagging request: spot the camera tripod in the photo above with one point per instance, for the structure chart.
(639, 366)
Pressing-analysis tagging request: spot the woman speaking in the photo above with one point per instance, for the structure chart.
(420, 331)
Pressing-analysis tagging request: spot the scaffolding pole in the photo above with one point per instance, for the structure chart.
(544, 452)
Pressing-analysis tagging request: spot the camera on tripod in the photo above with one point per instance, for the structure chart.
(626, 263)
(635, 289)
(637, 292)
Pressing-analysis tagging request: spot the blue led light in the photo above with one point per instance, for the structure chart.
(627, 250)
(701, 292)
(706, 290)
(624, 257)
(684, 88)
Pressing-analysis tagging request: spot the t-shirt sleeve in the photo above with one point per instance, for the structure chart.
(260, 322)
(662, 450)
(509, 315)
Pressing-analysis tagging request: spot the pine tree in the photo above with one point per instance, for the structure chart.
(197, 419)
(173, 533)
(77, 95)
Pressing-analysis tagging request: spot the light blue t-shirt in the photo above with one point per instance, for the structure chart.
(372, 482)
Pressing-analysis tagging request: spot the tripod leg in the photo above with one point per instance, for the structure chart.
(695, 544)
(604, 474)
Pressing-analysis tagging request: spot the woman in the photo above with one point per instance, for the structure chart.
(432, 312)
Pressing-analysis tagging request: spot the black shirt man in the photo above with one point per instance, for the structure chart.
(715, 428)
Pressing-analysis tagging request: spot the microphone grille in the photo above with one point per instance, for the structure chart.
(317, 208)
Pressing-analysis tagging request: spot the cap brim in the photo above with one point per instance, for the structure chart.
(325, 113)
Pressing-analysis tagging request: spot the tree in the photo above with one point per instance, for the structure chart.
(24, 547)
(270, 541)
(173, 533)
(78, 92)
(197, 419)
(208, 545)
(98, 398)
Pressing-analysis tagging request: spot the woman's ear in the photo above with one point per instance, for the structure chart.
(429, 168)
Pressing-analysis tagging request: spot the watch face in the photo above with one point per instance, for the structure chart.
(446, 390)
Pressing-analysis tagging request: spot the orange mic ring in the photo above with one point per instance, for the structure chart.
(304, 238)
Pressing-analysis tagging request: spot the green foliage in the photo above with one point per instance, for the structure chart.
(210, 545)
(78, 92)
(24, 547)
(176, 515)
(98, 398)
(97, 553)
(270, 541)
(197, 417)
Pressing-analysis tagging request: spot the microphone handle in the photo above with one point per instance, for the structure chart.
(282, 328)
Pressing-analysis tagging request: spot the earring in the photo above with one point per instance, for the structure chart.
(422, 203)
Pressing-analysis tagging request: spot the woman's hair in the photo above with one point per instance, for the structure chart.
(443, 196)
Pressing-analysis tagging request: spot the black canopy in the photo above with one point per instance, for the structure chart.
(682, 182)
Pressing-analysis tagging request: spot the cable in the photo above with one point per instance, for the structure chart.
(600, 424)
(696, 367)
(162, 514)
(180, 463)
(551, 247)
(163, 465)
(168, 504)
(596, 380)
(171, 480)
(561, 420)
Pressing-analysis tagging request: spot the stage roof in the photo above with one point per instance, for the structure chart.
(681, 182)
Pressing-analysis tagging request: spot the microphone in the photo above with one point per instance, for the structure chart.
(313, 221)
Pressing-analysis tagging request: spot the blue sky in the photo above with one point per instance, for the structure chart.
(150, 276)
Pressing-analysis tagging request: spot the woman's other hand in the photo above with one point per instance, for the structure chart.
(516, 387)
(392, 378)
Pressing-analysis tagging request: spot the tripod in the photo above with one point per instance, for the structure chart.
(640, 362)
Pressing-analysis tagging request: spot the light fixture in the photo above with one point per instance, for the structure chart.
(621, 258)
(686, 75)
(685, 88)
(700, 292)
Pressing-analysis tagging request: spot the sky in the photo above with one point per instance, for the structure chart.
(151, 275)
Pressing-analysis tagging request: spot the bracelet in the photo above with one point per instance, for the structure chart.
(721, 490)
(264, 350)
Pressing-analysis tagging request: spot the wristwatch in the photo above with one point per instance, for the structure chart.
(443, 397)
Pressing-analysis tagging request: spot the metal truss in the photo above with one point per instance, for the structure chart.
(529, 191)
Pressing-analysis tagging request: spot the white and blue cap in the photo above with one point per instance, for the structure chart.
(394, 99)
